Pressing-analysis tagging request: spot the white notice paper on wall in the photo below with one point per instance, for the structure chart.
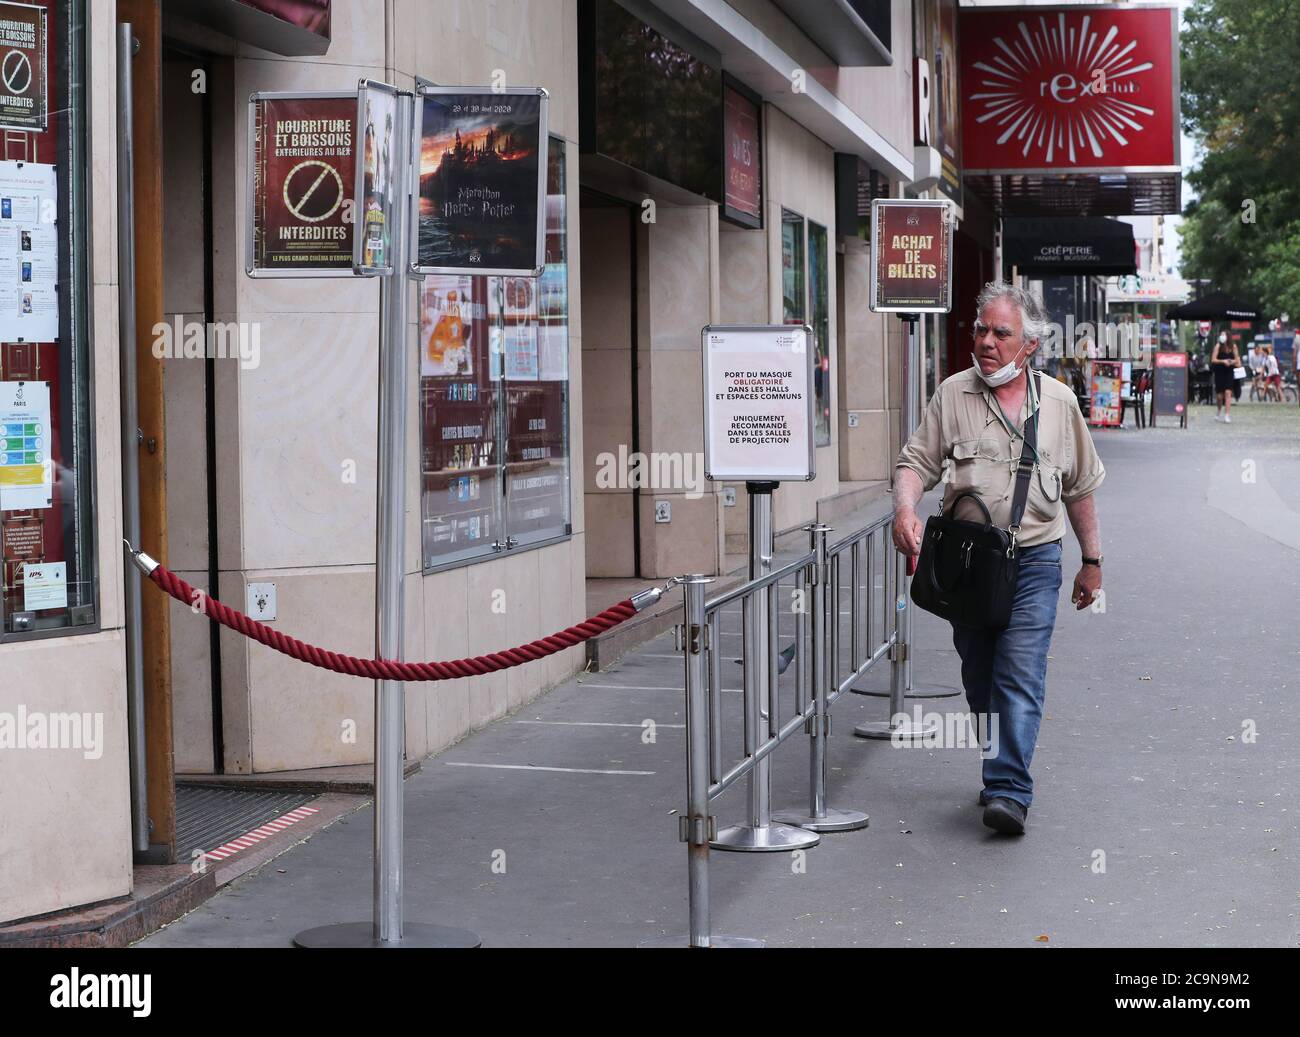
(758, 403)
(26, 470)
(45, 586)
(29, 253)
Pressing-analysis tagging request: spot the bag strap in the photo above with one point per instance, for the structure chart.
(1025, 468)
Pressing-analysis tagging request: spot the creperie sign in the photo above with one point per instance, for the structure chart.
(1054, 88)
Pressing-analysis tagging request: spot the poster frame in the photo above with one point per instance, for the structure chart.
(250, 180)
(810, 403)
(423, 90)
(359, 183)
(925, 203)
(44, 47)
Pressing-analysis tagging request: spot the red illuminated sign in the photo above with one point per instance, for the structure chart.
(743, 165)
(1046, 89)
(911, 249)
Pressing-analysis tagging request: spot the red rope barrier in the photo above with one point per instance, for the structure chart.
(381, 668)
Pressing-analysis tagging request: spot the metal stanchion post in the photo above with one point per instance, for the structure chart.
(820, 817)
(697, 826)
(899, 725)
(760, 834)
(387, 928)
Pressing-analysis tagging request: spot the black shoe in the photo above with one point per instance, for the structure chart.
(1005, 816)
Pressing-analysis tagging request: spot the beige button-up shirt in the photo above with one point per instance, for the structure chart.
(962, 427)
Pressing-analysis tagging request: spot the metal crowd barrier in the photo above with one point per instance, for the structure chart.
(823, 672)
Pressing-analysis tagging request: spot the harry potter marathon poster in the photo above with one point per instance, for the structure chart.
(481, 155)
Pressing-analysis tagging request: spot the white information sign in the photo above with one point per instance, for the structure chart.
(26, 472)
(758, 403)
(29, 253)
(45, 586)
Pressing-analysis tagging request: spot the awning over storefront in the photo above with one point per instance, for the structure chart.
(1215, 306)
(294, 28)
(1043, 246)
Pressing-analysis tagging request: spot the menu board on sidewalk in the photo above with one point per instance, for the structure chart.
(1169, 384)
(302, 177)
(758, 403)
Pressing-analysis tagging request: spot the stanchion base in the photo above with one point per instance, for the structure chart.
(716, 942)
(362, 934)
(930, 691)
(905, 731)
(833, 821)
(773, 838)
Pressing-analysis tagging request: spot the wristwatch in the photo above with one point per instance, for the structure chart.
(1094, 561)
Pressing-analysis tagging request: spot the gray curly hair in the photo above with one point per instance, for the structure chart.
(1034, 318)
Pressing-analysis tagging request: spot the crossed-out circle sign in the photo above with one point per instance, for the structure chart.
(313, 191)
(16, 72)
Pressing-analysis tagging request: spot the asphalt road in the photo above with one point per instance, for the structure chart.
(1168, 788)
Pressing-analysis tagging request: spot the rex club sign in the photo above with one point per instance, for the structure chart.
(1047, 89)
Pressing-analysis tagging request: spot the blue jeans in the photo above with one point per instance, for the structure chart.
(1005, 672)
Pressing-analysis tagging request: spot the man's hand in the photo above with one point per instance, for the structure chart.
(1086, 585)
(907, 530)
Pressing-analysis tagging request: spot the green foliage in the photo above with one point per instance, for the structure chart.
(1241, 104)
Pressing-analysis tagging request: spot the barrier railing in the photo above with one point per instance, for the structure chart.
(822, 674)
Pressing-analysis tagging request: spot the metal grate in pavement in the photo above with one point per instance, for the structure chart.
(209, 817)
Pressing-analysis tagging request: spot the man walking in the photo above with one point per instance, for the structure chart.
(975, 421)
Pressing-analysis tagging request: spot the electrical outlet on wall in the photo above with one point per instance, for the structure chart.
(261, 602)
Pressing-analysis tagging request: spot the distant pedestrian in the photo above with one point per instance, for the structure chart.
(1224, 360)
(1273, 375)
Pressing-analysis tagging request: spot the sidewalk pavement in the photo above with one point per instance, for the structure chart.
(1166, 801)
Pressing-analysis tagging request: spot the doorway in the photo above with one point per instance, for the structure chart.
(611, 383)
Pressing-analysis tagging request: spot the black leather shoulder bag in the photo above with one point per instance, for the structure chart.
(967, 571)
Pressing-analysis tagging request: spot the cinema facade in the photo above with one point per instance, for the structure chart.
(710, 162)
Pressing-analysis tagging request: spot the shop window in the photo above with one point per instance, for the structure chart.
(805, 293)
(494, 403)
(794, 304)
(820, 307)
(48, 576)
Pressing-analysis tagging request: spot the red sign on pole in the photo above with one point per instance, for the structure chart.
(743, 190)
(302, 184)
(1090, 88)
(911, 251)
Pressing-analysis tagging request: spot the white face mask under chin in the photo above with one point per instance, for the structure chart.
(1005, 373)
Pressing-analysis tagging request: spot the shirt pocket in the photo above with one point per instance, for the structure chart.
(975, 468)
(1045, 487)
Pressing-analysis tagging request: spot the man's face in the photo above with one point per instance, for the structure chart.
(999, 337)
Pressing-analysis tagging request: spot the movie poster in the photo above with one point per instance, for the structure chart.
(482, 164)
(23, 84)
(303, 184)
(1106, 387)
(377, 112)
